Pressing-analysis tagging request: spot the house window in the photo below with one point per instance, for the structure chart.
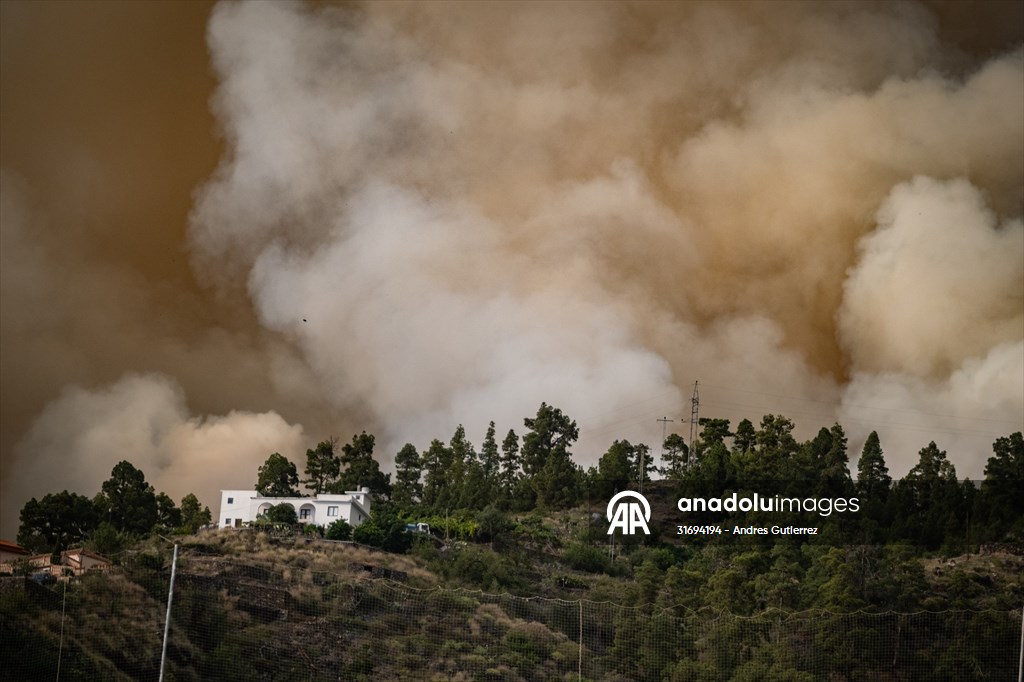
(304, 513)
(231, 500)
(332, 511)
(227, 522)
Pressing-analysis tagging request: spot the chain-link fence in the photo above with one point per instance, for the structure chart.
(232, 620)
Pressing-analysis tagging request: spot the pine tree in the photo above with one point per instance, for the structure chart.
(815, 451)
(509, 463)
(464, 470)
(676, 457)
(614, 470)
(547, 461)
(490, 459)
(129, 501)
(436, 463)
(57, 521)
(873, 480)
(713, 431)
(929, 501)
(834, 472)
(558, 484)
(167, 513)
(407, 490)
(744, 438)
(360, 468)
(549, 432)
(933, 465)
(1001, 501)
(775, 436)
(641, 463)
(323, 466)
(193, 516)
(277, 477)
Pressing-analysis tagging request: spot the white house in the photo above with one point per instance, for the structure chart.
(239, 507)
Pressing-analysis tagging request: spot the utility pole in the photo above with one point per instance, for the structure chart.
(694, 411)
(694, 420)
(664, 422)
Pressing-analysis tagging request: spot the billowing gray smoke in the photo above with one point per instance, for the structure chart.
(458, 212)
(454, 212)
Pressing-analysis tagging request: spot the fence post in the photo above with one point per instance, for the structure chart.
(63, 605)
(581, 641)
(167, 620)
(1020, 661)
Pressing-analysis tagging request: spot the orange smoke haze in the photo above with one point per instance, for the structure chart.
(234, 229)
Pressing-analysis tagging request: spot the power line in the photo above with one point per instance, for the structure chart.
(664, 421)
(600, 428)
(841, 404)
(867, 422)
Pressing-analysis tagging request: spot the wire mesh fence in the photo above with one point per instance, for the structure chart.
(232, 620)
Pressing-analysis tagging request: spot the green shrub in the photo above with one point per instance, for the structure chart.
(106, 539)
(532, 529)
(339, 530)
(369, 533)
(586, 558)
(384, 529)
(493, 523)
(282, 513)
(482, 568)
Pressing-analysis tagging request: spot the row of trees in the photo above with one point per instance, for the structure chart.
(929, 505)
(537, 471)
(452, 475)
(327, 470)
(126, 507)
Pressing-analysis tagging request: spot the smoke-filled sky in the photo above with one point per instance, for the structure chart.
(236, 229)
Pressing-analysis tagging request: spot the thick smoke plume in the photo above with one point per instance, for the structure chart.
(594, 205)
(445, 214)
(147, 417)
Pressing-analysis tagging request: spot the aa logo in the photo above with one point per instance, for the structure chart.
(628, 515)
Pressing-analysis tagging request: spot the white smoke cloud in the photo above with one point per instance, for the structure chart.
(959, 412)
(81, 435)
(404, 314)
(936, 283)
(453, 225)
(933, 322)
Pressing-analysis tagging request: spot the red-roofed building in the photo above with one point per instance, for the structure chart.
(9, 553)
(81, 560)
(72, 562)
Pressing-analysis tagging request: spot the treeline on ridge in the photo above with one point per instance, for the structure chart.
(470, 492)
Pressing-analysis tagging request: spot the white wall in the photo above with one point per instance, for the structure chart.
(238, 507)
